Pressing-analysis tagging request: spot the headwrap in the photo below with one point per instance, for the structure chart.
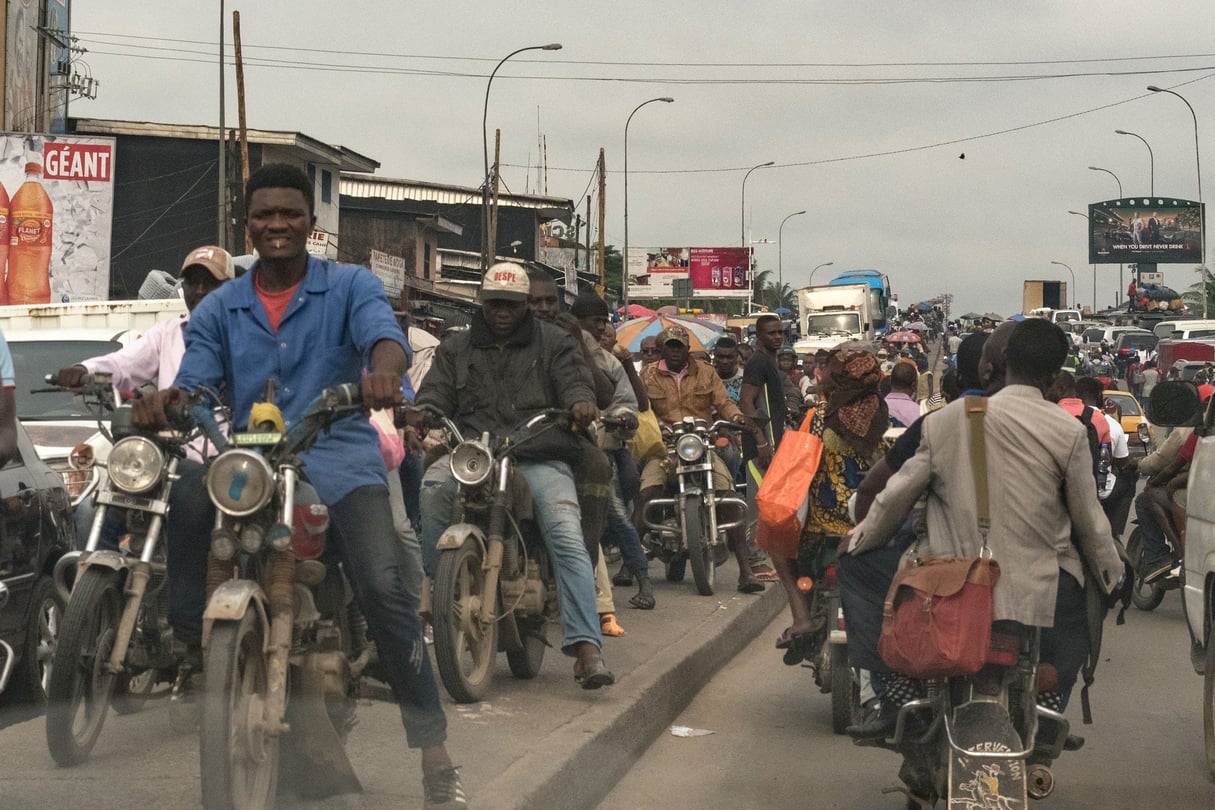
(854, 410)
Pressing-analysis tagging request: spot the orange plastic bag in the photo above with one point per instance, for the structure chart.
(783, 498)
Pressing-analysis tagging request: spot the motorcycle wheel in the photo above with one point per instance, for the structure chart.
(1143, 595)
(80, 688)
(700, 551)
(677, 568)
(464, 648)
(525, 663)
(237, 757)
(1208, 703)
(845, 691)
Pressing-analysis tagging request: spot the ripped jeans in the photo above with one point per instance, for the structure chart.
(557, 513)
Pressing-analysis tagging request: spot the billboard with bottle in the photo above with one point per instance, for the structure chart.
(56, 203)
(715, 272)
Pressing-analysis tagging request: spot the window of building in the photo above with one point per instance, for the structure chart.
(326, 186)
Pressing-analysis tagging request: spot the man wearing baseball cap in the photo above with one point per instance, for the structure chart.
(156, 356)
(506, 367)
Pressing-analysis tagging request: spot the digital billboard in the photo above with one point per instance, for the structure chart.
(715, 272)
(1152, 230)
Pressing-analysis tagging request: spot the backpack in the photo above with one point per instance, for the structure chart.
(1100, 452)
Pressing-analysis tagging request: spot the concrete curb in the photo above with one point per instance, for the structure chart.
(579, 763)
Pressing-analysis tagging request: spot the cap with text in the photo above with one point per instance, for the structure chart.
(505, 281)
(675, 333)
(217, 261)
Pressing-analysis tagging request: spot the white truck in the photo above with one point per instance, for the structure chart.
(831, 315)
(44, 338)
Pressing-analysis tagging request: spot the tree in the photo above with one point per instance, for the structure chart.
(1193, 296)
(759, 282)
(780, 296)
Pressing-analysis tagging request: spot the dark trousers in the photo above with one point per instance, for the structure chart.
(412, 468)
(1066, 644)
(864, 580)
(1118, 505)
(191, 518)
(1154, 545)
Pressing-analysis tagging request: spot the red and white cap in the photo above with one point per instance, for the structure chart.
(505, 281)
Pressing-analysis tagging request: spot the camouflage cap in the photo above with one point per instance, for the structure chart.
(675, 333)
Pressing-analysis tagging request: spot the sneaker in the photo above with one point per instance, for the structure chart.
(442, 790)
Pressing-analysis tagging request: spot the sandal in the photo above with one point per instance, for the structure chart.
(796, 651)
(609, 626)
(764, 573)
(623, 578)
(644, 598)
(596, 677)
(785, 638)
(750, 586)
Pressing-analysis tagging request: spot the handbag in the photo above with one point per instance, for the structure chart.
(936, 620)
(783, 498)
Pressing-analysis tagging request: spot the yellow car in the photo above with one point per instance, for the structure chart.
(1138, 429)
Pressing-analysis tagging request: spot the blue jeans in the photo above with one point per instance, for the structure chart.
(557, 513)
(1154, 546)
(621, 532)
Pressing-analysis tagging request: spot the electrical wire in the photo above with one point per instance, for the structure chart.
(152, 224)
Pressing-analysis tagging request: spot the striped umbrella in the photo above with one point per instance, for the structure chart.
(701, 333)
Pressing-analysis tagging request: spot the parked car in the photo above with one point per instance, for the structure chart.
(1167, 329)
(1138, 429)
(1094, 337)
(35, 531)
(1140, 341)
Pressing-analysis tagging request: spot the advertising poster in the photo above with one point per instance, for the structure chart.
(57, 200)
(652, 271)
(1150, 230)
(21, 66)
(390, 270)
(719, 272)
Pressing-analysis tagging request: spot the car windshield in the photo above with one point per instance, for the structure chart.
(1138, 341)
(1128, 404)
(829, 323)
(1093, 335)
(34, 359)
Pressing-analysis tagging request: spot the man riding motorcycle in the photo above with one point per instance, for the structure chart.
(679, 386)
(507, 366)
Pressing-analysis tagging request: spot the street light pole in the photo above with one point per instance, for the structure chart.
(1202, 226)
(780, 252)
(743, 219)
(810, 283)
(1111, 174)
(1118, 294)
(1151, 159)
(1077, 213)
(1074, 297)
(486, 248)
(624, 272)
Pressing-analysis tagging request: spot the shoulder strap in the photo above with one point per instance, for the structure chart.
(976, 409)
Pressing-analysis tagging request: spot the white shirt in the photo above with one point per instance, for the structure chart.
(1119, 448)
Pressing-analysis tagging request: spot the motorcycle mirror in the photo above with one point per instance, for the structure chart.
(1175, 403)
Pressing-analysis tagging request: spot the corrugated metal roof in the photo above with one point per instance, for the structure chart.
(443, 193)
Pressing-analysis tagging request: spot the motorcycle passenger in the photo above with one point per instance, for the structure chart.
(507, 366)
(309, 324)
(680, 386)
(851, 424)
(725, 362)
(1160, 562)
(1044, 514)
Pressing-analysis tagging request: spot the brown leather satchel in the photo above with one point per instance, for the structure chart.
(936, 621)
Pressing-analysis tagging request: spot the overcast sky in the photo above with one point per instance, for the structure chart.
(752, 82)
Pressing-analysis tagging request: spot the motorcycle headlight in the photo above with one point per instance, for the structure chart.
(252, 537)
(240, 482)
(471, 463)
(690, 447)
(135, 464)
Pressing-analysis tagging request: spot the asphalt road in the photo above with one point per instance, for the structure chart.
(772, 745)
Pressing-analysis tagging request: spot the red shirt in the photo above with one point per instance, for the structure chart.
(1077, 408)
(275, 303)
(1186, 453)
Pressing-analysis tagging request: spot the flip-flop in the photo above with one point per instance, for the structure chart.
(785, 638)
(796, 652)
(609, 626)
(597, 677)
(750, 586)
(642, 602)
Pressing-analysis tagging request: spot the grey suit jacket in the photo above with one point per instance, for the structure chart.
(1040, 480)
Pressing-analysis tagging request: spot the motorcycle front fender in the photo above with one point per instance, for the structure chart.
(456, 536)
(230, 602)
(73, 562)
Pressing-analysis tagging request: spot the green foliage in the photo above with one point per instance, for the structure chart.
(1193, 296)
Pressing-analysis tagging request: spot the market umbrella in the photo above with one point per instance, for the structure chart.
(1018, 317)
(637, 311)
(918, 326)
(701, 333)
(782, 311)
(993, 316)
(971, 316)
(904, 336)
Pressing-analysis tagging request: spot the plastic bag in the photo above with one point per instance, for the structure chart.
(783, 499)
(646, 443)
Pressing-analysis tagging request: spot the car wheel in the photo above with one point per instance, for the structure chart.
(42, 634)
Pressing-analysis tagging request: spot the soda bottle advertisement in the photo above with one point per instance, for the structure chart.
(57, 203)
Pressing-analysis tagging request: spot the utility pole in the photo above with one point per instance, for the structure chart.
(602, 211)
(222, 214)
(493, 219)
(240, 106)
(588, 232)
(577, 239)
(546, 165)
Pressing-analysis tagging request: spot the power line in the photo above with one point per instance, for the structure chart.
(623, 63)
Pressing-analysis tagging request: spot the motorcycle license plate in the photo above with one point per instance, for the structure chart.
(268, 437)
(979, 783)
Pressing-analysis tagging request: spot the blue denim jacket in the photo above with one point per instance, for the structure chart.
(325, 338)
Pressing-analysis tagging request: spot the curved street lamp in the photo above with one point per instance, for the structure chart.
(743, 219)
(780, 264)
(486, 245)
(624, 272)
(1202, 228)
(1069, 269)
(1151, 159)
(1111, 174)
(1077, 213)
(810, 283)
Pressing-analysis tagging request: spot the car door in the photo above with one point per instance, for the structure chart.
(1200, 534)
